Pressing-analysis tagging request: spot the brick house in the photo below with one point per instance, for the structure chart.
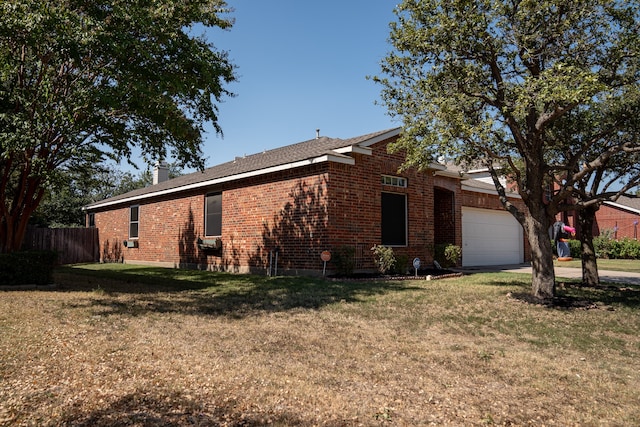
(621, 216)
(294, 202)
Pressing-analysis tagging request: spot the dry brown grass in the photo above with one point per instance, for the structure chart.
(452, 352)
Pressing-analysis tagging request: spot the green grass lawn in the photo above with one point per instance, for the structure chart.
(122, 344)
(630, 265)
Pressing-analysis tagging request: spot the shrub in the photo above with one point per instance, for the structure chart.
(344, 259)
(27, 268)
(383, 257)
(401, 265)
(453, 253)
(607, 247)
(438, 253)
(575, 248)
(627, 249)
(603, 244)
(447, 255)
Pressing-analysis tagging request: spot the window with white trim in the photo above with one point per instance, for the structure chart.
(394, 219)
(134, 221)
(213, 215)
(394, 181)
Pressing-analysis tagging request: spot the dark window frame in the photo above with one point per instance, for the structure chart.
(134, 222)
(394, 232)
(213, 229)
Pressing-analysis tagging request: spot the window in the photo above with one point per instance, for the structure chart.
(91, 220)
(394, 219)
(134, 220)
(213, 215)
(394, 181)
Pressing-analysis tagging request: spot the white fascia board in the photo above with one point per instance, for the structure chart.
(337, 158)
(451, 174)
(623, 207)
(482, 170)
(355, 149)
(493, 192)
(380, 138)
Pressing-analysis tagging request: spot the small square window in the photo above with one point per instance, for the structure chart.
(394, 181)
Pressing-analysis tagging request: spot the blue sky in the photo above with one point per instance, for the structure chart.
(301, 65)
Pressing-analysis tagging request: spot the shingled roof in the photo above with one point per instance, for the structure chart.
(631, 204)
(307, 152)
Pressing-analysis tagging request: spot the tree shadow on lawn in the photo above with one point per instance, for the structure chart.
(139, 291)
(572, 295)
(175, 410)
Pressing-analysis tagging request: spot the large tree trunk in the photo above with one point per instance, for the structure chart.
(15, 213)
(12, 232)
(536, 226)
(543, 280)
(590, 275)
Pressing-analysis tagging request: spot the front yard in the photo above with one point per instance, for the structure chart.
(129, 345)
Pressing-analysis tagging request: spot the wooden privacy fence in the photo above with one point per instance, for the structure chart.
(73, 245)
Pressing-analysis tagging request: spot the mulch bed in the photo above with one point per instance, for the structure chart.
(424, 274)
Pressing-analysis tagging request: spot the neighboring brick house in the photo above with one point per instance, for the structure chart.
(292, 203)
(621, 216)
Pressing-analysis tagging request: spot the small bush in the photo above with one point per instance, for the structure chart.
(603, 244)
(401, 265)
(626, 249)
(27, 268)
(607, 247)
(453, 253)
(447, 255)
(384, 258)
(344, 260)
(575, 248)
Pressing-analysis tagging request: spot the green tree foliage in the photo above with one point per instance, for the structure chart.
(62, 205)
(84, 80)
(542, 89)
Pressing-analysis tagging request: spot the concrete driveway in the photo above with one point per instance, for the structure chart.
(561, 272)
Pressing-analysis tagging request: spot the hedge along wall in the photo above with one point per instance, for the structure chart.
(27, 268)
(609, 248)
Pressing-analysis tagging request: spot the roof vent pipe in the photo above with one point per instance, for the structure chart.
(317, 133)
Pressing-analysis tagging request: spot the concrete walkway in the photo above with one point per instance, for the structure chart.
(561, 272)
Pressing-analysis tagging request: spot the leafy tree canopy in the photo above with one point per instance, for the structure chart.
(546, 89)
(62, 206)
(84, 80)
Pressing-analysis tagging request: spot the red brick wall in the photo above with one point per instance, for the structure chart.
(355, 206)
(285, 210)
(608, 218)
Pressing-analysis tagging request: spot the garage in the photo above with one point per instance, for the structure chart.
(490, 237)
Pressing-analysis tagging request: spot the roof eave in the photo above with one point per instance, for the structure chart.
(487, 191)
(357, 149)
(448, 173)
(623, 207)
(379, 138)
(330, 157)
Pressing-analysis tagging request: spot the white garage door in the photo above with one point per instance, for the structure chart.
(490, 237)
